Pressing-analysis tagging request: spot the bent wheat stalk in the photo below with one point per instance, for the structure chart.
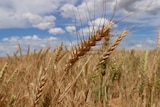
(74, 81)
(40, 89)
(112, 47)
(86, 45)
(42, 81)
(3, 71)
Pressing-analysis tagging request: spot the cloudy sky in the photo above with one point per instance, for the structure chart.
(44, 23)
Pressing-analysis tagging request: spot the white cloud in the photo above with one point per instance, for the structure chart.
(87, 10)
(68, 10)
(90, 10)
(40, 22)
(35, 12)
(35, 38)
(93, 26)
(27, 37)
(10, 20)
(5, 39)
(139, 5)
(70, 29)
(55, 31)
(99, 22)
(12, 12)
(52, 39)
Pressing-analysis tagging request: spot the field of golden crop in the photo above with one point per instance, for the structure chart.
(82, 76)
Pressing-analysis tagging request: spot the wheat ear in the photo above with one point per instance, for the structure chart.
(12, 77)
(158, 42)
(2, 72)
(42, 80)
(112, 47)
(106, 42)
(28, 50)
(85, 45)
(20, 49)
(57, 52)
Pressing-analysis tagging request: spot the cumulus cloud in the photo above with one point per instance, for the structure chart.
(99, 22)
(86, 10)
(68, 10)
(55, 31)
(89, 10)
(70, 29)
(40, 22)
(12, 12)
(93, 26)
(151, 6)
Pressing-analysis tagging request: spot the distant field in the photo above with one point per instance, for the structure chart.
(92, 78)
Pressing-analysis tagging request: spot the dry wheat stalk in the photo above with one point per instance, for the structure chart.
(57, 52)
(20, 49)
(12, 76)
(39, 53)
(106, 42)
(158, 42)
(112, 47)
(28, 50)
(86, 45)
(42, 80)
(73, 82)
(3, 71)
(46, 51)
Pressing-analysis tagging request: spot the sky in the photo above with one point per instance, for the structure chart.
(46, 23)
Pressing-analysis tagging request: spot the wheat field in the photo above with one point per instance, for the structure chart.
(82, 76)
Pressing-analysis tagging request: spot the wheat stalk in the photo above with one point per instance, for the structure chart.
(2, 72)
(112, 47)
(158, 42)
(28, 50)
(12, 76)
(106, 42)
(20, 49)
(86, 45)
(57, 52)
(73, 82)
(42, 80)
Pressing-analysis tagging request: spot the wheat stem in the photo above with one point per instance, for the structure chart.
(2, 72)
(112, 47)
(85, 46)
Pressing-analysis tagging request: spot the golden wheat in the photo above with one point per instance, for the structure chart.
(112, 47)
(2, 72)
(12, 77)
(42, 82)
(86, 45)
(158, 41)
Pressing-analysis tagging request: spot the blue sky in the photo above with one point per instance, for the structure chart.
(46, 23)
